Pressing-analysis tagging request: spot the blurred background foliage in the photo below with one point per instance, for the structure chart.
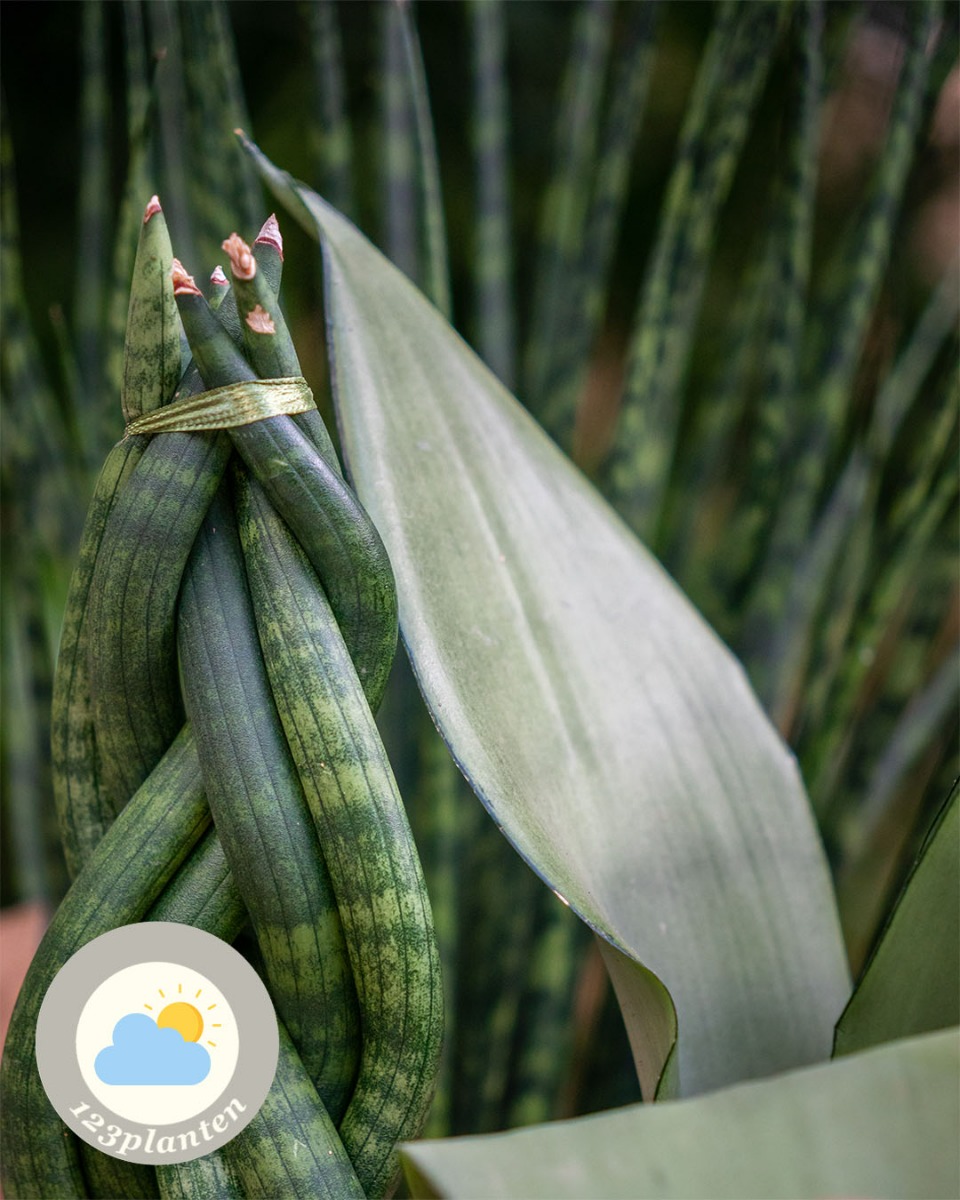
(711, 246)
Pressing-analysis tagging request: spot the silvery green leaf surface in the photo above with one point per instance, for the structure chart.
(611, 735)
(882, 1124)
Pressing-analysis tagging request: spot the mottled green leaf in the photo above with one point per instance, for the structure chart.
(151, 352)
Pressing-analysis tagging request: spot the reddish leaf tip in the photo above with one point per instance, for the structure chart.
(270, 234)
(183, 283)
(153, 207)
(242, 263)
(217, 277)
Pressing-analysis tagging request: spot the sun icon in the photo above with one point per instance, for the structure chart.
(184, 1017)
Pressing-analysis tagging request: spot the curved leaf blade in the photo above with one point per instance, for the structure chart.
(882, 1123)
(912, 982)
(611, 735)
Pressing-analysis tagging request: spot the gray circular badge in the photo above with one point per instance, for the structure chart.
(157, 1043)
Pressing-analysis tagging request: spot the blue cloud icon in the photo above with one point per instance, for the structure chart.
(143, 1053)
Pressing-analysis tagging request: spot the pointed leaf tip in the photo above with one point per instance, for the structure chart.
(217, 277)
(150, 367)
(270, 234)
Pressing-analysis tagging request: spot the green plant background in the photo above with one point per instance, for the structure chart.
(768, 285)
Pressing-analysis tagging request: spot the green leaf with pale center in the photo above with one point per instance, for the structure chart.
(881, 1124)
(611, 735)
